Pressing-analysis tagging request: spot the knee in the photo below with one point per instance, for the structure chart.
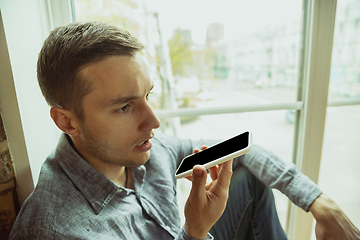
(241, 175)
(242, 178)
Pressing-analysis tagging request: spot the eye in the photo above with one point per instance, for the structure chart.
(148, 95)
(124, 108)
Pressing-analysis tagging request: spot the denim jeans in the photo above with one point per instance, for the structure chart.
(250, 212)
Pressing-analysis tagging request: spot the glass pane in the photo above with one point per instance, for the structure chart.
(263, 125)
(216, 53)
(345, 62)
(339, 176)
(204, 52)
(340, 163)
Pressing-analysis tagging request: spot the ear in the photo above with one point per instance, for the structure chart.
(65, 120)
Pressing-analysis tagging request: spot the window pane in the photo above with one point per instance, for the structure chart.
(339, 176)
(339, 173)
(216, 49)
(220, 53)
(345, 62)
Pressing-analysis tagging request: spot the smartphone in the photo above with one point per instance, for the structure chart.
(214, 155)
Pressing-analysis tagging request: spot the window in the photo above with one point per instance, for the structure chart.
(238, 67)
(219, 70)
(204, 58)
(211, 58)
(338, 175)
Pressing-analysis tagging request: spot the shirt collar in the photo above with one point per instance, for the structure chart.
(93, 185)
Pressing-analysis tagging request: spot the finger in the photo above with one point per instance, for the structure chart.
(189, 178)
(203, 147)
(225, 173)
(199, 176)
(208, 186)
(196, 150)
(213, 172)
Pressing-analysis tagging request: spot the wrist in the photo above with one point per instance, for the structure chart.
(195, 232)
(323, 207)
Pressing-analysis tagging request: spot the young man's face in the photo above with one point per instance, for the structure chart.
(118, 120)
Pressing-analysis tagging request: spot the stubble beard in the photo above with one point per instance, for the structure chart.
(102, 151)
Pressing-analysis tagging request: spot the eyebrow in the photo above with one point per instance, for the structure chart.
(122, 100)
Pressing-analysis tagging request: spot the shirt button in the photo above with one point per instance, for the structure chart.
(167, 228)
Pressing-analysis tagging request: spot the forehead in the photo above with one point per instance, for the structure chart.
(117, 76)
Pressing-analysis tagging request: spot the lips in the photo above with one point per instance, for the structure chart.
(144, 146)
(143, 142)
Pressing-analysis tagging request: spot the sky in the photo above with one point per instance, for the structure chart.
(239, 17)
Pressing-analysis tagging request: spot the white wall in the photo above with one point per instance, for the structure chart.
(27, 24)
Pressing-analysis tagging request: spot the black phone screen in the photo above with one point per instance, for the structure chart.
(215, 152)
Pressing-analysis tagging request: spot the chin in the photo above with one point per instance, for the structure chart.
(141, 160)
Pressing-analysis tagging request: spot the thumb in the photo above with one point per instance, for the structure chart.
(199, 177)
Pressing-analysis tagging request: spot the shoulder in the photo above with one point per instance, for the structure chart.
(40, 213)
(170, 148)
(173, 145)
(166, 141)
(35, 219)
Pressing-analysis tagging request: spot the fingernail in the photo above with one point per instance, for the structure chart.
(198, 172)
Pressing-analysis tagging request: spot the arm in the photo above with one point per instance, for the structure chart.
(287, 178)
(331, 222)
(284, 176)
(269, 169)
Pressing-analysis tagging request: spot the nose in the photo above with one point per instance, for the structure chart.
(150, 121)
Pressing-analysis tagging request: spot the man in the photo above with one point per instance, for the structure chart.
(111, 178)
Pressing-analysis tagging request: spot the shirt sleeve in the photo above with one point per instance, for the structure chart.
(269, 169)
(272, 171)
(284, 176)
(184, 236)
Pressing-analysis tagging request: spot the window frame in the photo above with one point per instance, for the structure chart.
(318, 25)
(10, 112)
(311, 104)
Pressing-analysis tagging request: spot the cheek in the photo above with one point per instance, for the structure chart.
(113, 126)
(119, 131)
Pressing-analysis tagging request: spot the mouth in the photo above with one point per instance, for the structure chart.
(145, 145)
(146, 141)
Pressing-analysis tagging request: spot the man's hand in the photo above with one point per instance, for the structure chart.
(331, 221)
(206, 202)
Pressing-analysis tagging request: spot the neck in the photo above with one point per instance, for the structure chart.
(115, 173)
(121, 178)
